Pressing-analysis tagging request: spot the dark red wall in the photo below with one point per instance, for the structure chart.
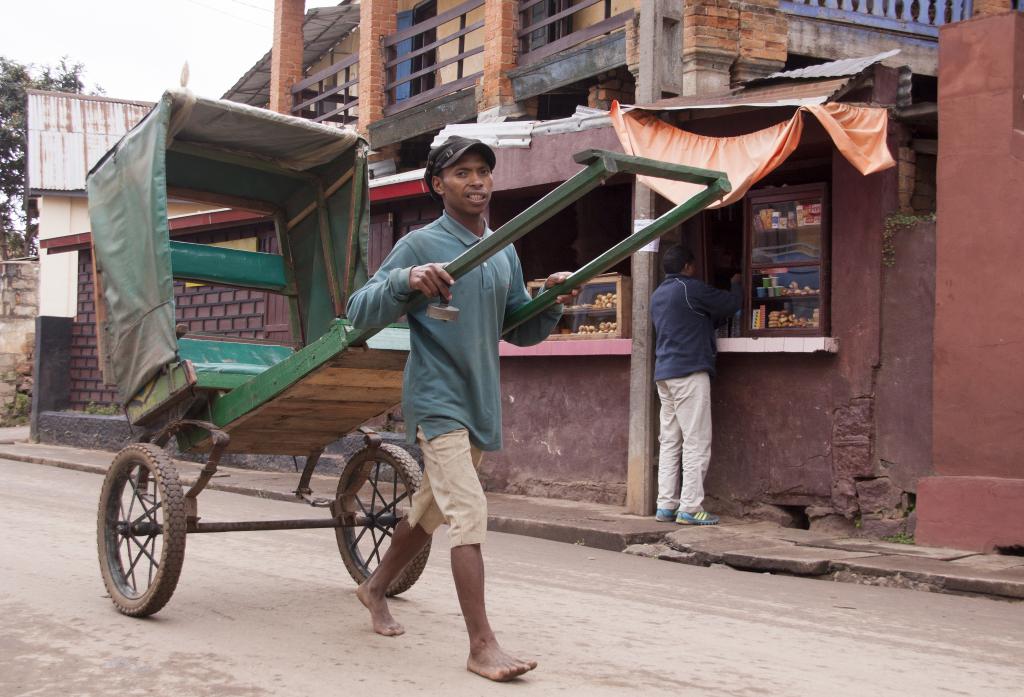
(799, 429)
(977, 499)
(565, 432)
(979, 320)
(903, 388)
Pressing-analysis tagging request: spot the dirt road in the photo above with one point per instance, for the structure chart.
(274, 614)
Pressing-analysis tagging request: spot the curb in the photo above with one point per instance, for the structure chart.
(185, 478)
(891, 571)
(546, 530)
(754, 553)
(570, 534)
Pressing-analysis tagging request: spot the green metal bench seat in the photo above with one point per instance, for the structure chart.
(224, 365)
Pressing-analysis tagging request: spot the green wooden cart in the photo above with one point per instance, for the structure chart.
(216, 395)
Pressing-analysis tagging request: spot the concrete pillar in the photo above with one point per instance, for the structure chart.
(286, 54)
(641, 458)
(377, 19)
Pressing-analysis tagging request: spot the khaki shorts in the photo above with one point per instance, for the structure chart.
(451, 491)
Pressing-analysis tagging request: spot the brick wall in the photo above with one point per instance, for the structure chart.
(615, 84)
(19, 303)
(205, 309)
(86, 378)
(286, 54)
(764, 35)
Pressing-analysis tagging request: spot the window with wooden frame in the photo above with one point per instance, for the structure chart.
(786, 269)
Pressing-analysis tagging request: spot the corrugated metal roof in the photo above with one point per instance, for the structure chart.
(839, 68)
(69, 133)
(322, 29)
(813, 85)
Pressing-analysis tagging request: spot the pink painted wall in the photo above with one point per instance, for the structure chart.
(978, 413)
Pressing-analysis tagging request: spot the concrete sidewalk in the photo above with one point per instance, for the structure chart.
(742, 545)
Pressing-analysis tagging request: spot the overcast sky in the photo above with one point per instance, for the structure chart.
(134, 49)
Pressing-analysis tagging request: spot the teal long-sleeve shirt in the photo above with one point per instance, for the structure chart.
(451, 377)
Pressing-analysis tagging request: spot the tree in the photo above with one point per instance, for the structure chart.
(17, 232)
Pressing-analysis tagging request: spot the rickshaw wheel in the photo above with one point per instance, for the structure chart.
(377, 482)
(141, 530)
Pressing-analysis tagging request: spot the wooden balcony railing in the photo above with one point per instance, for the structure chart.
(421, 67)
(922, 17)
(329, 95)
(550, 26)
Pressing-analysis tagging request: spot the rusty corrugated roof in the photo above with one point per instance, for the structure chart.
(69, 133)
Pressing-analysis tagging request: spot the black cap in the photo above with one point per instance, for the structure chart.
(448, 153)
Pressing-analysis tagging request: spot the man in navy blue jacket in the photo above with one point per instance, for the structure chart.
(685, 312)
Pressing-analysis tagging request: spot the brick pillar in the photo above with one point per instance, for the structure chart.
(500, 52)
(633, 46)
(991, 7)
(286, 55)
(711, 44)
(764, 34)
(377, 19)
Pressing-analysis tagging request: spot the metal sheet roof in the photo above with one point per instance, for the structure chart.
(322, 29)
(69, 133)
(812, 85)
(838, 68)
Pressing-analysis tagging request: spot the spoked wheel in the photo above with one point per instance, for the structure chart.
(378, 484)
(141, 529)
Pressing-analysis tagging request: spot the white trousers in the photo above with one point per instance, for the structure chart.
(685, 439)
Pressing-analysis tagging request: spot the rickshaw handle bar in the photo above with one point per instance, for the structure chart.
(600, 165)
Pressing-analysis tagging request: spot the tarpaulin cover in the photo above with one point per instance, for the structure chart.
(128, 213)
(858, 132)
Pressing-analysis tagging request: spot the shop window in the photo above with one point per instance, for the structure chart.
(777, 241)
(786, 282)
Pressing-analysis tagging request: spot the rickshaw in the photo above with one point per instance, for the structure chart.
(217, 395)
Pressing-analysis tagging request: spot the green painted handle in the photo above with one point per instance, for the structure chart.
(600, 165)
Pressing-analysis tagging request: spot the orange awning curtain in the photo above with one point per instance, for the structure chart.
(858, 132)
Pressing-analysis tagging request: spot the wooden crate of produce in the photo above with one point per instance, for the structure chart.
(601, 311)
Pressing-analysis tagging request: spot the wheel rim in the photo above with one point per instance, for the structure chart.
(383, 495)
(134, 531)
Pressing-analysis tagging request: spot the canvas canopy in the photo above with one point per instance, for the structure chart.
(858, 132)
(310, 178)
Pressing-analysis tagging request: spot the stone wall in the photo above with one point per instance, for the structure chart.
(19, 302)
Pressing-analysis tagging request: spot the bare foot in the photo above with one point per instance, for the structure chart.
(380, 615)
(494, 664)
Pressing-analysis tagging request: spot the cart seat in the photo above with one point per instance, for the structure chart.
(224, 365)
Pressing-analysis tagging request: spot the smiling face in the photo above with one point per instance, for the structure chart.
(466, 188)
